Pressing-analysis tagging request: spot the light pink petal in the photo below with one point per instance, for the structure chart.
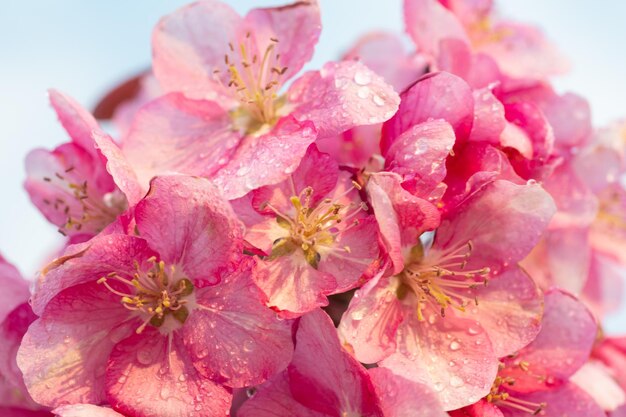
(63, 355)
(120, 168)
(489, 120)
(355, 147)
(478, 69)
(562, 346)
(189, 45)
(469, 11)
(386, 55)
(324, 377)
(77, 121)
(504, 221)
(570, 117)
(568, 400)
(577, 205)
(481, 409)
(515, 137)
(292, 285)
(401, 397)
(173, 134)
(401, 217)
(148, 376)
(603, 290)
(509, 309)
(529, 117)
(85, 410)
(296, 27)
(274, 399)
(14, 288)
(266, 159)
(612, 352)
(452, 355)
(88, 262)
(419, 155)
(342, 95)
(186, 220)
(428, 22)
(233, 338)
(434, 96)
(368, 327)
(597, 380)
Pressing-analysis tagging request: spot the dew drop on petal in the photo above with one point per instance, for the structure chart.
(362, 78)
(455, 345)
(456, 382)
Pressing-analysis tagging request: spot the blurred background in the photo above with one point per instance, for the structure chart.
(83, 48)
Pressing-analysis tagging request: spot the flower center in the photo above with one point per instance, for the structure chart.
(155, 293)
(315, 228)
(440, 279)
(504, 399)
(94, 210)
(256, 81)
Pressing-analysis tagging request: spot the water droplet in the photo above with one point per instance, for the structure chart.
(438, 386)
(243, 171)
(248, 345)
(378, 100)
(362, 78)
(455, 345)
(144, 357)
(531, 182)
(165, 392)
(456, 382)
(363, 92)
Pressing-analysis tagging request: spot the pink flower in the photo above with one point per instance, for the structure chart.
(434, 321)
(534, 381)
(71, 185)
(154, 321)
(324, 380)
(224, 117)
(85, 410)
(313, 234)
(465, 28)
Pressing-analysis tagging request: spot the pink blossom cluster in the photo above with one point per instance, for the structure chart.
(406, 232)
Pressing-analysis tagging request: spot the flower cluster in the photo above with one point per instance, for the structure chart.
(427, 232)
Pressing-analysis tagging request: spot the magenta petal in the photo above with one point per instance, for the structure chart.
(85, 410)
(14, 289)
(569, 401)
(149, 376)
(434, 96)
(368, 327)
(481, 409)
(78, 122)
(296, 27)
(562, 346)
(233, 338)
(401, 397)
(342, 95)
(274, 399)
(267, 159)
(326, 378)
(489, 120)
(64, 353)
(201, 234)
(189, 44)
(173, 134)
(509, 309)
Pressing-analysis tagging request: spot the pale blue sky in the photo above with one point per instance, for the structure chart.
(83, 47)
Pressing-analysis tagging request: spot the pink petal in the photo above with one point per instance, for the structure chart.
(428, 22)
(562, 346)
(504, 221)
(14, 289)
(509, 309)
(534, 123)
(342, 95)
(570, 117)
(189, 44)
(401, 217)
(85, 410)
(478, 69)
(147, 376)
(326, 378)
(201, 234)
(77, 121)
(489, 120)
(233, 338)
(568, 400)
(266, 159)
(434, 96)
(296, 27)
(368, 327)
(20, 412)
(481, 409)
(64, 353)
(597, 380)
(385, 54)
(274, 399)
(88, 262)
(419, 155)
(515, 137)
(452, 355)
(173, 134)
(401, 397)
(603, 290)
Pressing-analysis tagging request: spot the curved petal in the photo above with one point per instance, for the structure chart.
(568, 400)
(401, 397)
(481, 409)
(596, 379)
(266, 159)
(186, 220)
(14, 289)
(85, 410)
(189, 45)
(434, 96)
(368, 327)
(562, 346)
(149, 376)
(489, 120)
(342, 95)
(76, 121)
(233, 338)
(64, 353)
